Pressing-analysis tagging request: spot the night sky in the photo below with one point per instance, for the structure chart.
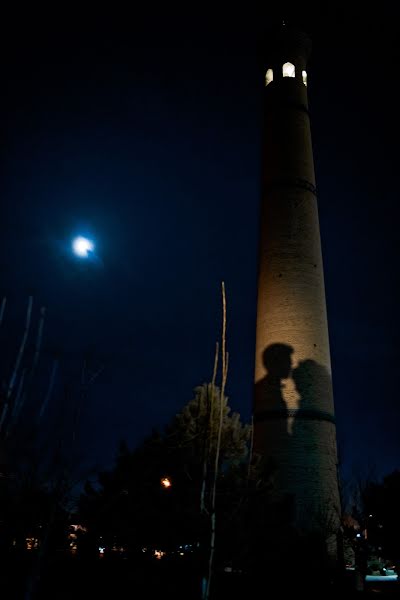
(144, 132)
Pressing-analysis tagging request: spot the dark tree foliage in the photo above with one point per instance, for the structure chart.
(382, 517)
(31, 495)
(129, 507)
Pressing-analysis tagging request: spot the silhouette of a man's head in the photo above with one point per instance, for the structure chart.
(277, 360)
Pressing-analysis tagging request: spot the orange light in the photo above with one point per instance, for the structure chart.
(32, 543)
(166, 482)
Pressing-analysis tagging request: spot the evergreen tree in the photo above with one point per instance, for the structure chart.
(130, 507)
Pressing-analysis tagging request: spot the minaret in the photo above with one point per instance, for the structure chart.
(294, 423)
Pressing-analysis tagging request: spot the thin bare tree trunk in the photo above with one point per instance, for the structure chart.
(207, 434)
(214, 377)
(17, 362)
(22, 393)
(225, 359)
(49, 389)
(18, 398)
(2, 308)
(38, 344)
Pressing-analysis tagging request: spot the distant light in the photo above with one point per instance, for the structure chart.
(358, 535)
(82, 246)
(288, 70)
(370, 515)
(166, 482)
(269, 76)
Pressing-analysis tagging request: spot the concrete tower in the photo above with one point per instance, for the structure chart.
(294, 420)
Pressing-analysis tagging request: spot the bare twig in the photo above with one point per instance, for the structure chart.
(18, 398)
(214, 377)
(208, 430)
(38, 344)
(39, 337)
(17, 362)
(49, 388)
(2, 308)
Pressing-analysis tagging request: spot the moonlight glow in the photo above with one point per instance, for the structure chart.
(82, 246)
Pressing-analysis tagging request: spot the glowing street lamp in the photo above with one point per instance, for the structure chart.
(166, 482)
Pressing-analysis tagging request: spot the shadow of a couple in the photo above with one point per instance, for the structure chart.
(312, 382)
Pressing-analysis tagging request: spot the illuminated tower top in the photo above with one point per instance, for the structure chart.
(287, 52)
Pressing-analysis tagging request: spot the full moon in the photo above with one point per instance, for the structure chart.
(82, 246)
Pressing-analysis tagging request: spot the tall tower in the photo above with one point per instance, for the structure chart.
(294, 421)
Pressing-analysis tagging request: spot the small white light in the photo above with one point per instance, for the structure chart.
(269, 76)
(82, 246)
(288, 70)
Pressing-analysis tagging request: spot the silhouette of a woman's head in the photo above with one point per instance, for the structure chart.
(312, 381)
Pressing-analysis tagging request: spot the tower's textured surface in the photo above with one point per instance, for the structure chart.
(293, 406)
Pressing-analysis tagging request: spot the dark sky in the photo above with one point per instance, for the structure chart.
(144, 131)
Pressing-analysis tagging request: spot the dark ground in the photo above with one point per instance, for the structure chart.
(72, 579)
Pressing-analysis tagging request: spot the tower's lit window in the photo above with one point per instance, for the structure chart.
(304, 76)
(288, 70)
(269, 76)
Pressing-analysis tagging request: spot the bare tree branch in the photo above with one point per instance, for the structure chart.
(17, 362)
